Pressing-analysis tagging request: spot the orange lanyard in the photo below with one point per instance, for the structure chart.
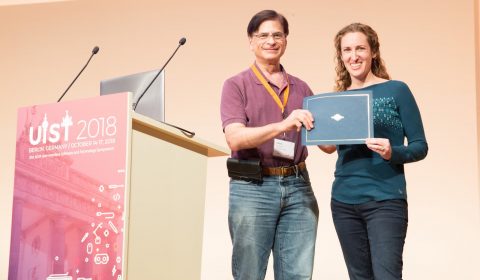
(271, 91)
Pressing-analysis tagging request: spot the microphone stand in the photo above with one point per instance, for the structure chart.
(187, 133)
(180, 43)
(94, 52)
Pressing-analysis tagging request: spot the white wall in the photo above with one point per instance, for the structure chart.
(428, 44)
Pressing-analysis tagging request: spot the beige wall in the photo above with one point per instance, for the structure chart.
(477, 60)
(429, 44)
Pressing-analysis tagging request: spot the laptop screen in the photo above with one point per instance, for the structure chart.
(152, 103)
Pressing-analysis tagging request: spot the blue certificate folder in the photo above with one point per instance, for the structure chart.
(340, 118)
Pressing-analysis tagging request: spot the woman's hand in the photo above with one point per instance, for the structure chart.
(380, 146)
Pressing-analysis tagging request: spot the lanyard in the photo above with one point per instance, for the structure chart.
(271, 91)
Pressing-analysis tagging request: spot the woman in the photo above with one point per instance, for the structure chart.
(369, 199)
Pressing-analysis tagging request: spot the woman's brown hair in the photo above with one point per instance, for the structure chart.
(343, 80)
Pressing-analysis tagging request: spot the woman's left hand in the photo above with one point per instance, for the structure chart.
(380, 146)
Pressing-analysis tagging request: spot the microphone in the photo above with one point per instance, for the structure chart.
(94, 52)
(180, 43)
(187, 133)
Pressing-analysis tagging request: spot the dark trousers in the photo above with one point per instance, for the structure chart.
(372, 236)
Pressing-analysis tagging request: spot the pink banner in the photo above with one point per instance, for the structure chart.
(69, 193)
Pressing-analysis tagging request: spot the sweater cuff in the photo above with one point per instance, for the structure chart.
(396, 156)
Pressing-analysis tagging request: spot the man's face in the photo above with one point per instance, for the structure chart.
(269, 42)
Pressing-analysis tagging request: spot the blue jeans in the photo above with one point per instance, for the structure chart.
(372, 236)
(279, 215)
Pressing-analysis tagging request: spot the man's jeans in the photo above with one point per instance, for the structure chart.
(372, 236)
(279, 215)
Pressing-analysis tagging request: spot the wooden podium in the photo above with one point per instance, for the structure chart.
(101, 192)
(167, 197)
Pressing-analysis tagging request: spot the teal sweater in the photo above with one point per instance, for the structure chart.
(362, 175)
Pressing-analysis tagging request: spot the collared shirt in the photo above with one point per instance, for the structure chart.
(245, 100)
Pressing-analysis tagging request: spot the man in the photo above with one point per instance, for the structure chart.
(261, 117)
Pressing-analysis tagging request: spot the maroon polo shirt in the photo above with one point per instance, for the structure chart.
(245, 100)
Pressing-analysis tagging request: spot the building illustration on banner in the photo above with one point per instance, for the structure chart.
(66, 225)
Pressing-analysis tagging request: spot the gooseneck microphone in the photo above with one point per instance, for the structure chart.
(187, 133)
(94, 52)
(180, 43)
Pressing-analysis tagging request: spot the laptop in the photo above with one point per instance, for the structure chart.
(152, 103)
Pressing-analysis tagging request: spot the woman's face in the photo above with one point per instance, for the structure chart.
(269, 42)
(356, 55)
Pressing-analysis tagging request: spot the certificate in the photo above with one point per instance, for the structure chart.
(340, 118)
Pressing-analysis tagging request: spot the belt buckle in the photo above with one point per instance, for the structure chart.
(287, 170)
(296, 168)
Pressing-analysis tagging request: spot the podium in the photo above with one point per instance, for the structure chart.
(168, 177)
(104, 193)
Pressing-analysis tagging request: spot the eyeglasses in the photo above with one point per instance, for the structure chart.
(277, 36)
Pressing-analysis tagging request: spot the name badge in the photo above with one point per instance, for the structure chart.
(284, 149)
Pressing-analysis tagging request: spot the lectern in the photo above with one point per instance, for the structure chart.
(104, 193)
